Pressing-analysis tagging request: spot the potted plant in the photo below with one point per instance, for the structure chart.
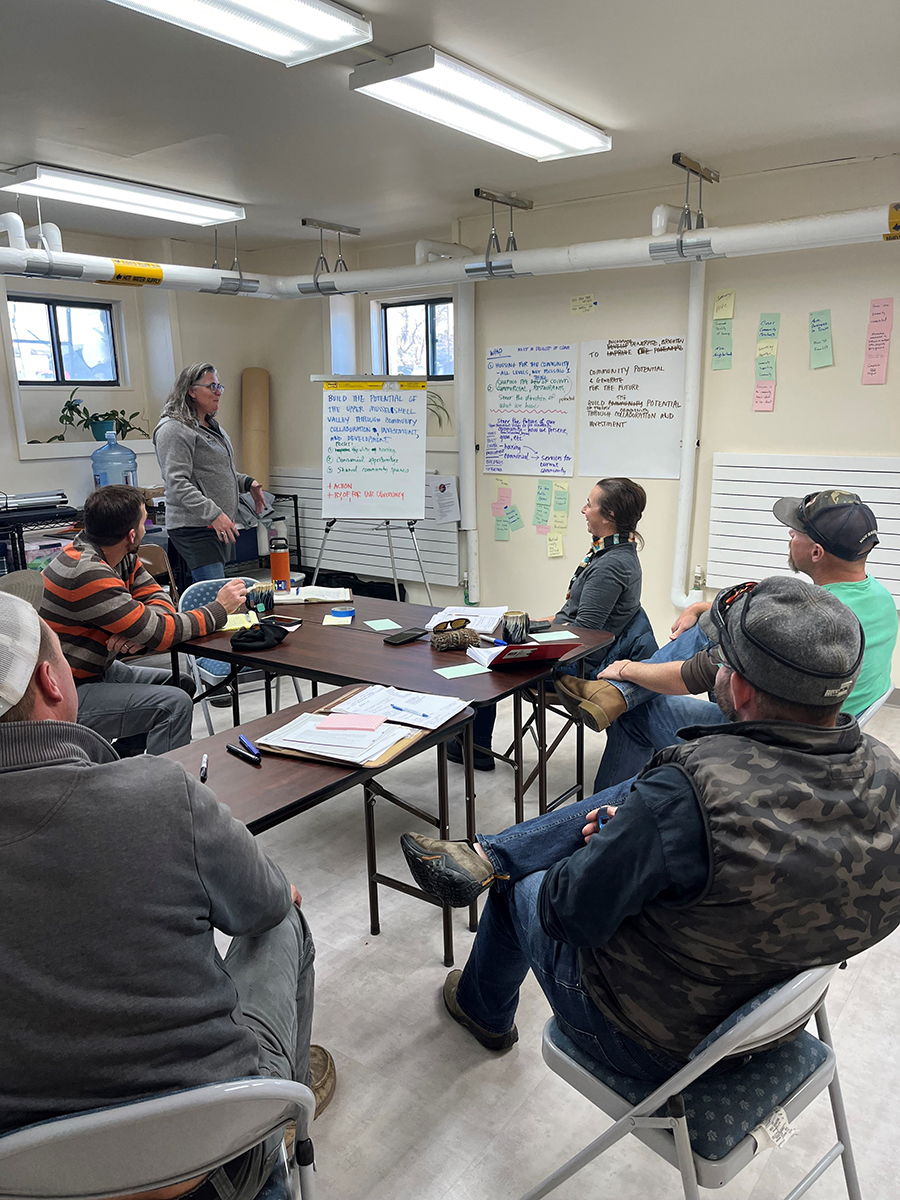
(78, 415)
(434, 403)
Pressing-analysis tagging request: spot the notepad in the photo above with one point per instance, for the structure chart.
(240, 621)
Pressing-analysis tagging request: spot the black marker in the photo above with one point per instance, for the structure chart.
(240, 752)
(204, 768)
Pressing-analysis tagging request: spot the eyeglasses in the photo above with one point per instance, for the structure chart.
(217, 388)
(456, 623)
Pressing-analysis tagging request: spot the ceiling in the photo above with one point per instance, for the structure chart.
(87, 84)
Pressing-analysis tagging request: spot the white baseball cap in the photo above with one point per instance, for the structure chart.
(20, 644)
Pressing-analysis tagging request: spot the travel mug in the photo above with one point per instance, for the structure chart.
(515, 628)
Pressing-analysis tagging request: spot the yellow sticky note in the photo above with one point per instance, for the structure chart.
(582, 304)
(332, 620)
(501, 481)
(767, 348)
(240, 621)
(560, 485)
(555, 547)
(559, 521)
(723, 307)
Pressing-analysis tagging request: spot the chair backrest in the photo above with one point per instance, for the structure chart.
(155, 559)
(868, 713)
(27, 585)
(197, 594)
(148, 1143)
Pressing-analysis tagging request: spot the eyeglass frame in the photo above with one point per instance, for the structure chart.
(217, 389)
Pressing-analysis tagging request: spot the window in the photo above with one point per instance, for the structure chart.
(418, 338)
(63, 341)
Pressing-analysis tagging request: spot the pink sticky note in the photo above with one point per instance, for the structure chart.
(498, 508)
(881, 314)
(764, 397)
(351, 721)
(504, 495)
(542, 529)
(878, 346)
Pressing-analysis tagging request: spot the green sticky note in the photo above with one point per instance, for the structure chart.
(541, 514)
(768, 325)
(544, 488)
(820, 349)
(501, 529)
(560, 501)
(555, 635)
(514, 517)
(383, 626)
(472, 668)
(721, 345)
(765, 368)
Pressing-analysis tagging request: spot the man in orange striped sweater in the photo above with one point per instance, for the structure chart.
(101, 602)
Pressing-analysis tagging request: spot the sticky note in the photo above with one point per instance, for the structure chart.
(764, 397)
(514, 517)
(542, 529)
(330, 620)
(559, 521)
(878, 345)
(541, 514)
(501, 481)
(767, 348)
(765, 368)
(582, 304)
(820, 348)
(544, 491)
(471, 668)
(881, 314)
(723, 307)
(351, 720)
(498, 508)
(555, 547)
(383, 626)
(560, 500)
(555, 635)
(501, 529)
(721, 344)
(768, 325)
(505, 494)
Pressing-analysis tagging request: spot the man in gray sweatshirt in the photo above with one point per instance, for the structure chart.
(113, 876)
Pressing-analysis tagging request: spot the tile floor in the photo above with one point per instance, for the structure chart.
(422, 1112)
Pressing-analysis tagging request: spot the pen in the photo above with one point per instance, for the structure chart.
(490, 640)
(248, 745)
(411, 711)
(240, 752)
(204, 768)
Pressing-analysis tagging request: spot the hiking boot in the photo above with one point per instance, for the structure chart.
(452, 871)
(322, 1077)
(493, 1041)
(593, 702)
(481, 762)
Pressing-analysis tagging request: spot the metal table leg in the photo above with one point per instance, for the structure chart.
(371, 860)
(443, 834)
(268, 683)
(519, 755)
(541, 727)
(469, 767)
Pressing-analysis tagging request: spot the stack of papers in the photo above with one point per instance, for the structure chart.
(313, 595)
(355, 746)
(414, 708)
(482, 620)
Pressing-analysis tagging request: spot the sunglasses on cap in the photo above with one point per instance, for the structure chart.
(456, 623)
(815, 503)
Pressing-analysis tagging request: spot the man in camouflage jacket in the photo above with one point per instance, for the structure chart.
(749, 852)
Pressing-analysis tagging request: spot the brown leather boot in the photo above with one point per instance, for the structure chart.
(593, 702)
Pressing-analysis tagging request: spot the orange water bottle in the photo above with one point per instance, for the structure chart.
(280, 562)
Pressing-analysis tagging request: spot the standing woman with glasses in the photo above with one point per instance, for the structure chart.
(197, 464)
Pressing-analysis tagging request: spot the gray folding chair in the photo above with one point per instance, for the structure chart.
(868, 713)
(706, 1126)
(161, 1141)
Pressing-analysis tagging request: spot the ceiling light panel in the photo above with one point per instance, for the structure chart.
(98, 191)
(433, 85)
(290, 31)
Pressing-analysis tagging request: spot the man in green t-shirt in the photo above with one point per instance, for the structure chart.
(832, 534)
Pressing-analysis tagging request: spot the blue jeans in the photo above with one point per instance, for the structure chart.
(213, 570)
(652, 721)
(509, 941)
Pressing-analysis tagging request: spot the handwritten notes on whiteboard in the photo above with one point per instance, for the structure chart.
(878, 341)
(530, 410)
(631, 407)
(373, 449)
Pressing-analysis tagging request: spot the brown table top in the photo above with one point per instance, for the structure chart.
(342, 654)
(368, 608)
(283, 786)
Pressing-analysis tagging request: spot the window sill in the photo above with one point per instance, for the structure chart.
(45, 450)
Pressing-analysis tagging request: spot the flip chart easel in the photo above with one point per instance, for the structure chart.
(411, 526)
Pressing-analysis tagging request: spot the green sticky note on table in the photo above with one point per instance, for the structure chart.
(470, 668)
(721, 345)
(768, 325)
(555, 635)
(383, 626)
(821, 353)
(514, 517)
(765, 368)
(501, 529)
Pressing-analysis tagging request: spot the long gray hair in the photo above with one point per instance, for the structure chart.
(179, 405)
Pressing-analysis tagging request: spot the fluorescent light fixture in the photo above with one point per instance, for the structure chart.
(98, 191)
(291, 31)
(431, 84)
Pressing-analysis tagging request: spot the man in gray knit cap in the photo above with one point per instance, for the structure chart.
(716, 877)
(114, 874)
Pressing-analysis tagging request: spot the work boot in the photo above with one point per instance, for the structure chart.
(322, 1079)
(452, 871)
(492, 1041)
(593, 702)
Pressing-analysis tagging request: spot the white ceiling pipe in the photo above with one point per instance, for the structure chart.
(693, 363)
(428, 251)
(464, 329)
(14, 227)
(50, 231)
(663, 218)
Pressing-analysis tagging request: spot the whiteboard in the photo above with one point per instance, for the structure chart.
(631, 407)
(373, 448)
(530, 410)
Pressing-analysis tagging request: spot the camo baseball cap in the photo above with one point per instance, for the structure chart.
(20, 644)
(837, 520)
(789, 638)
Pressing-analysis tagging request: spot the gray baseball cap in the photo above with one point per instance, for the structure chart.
(789, 638)
(20, 644)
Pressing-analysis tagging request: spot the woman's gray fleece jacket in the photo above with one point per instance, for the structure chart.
(197, 464)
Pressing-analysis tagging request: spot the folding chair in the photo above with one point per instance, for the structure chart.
(162, 1141)
(156, 562)
(868, 713)
(706, 1124)
(195, 596)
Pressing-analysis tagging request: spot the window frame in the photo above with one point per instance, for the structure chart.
(56, 347)
(430, 337)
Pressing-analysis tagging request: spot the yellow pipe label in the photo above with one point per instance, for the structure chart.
(371, 385)
(132, 273)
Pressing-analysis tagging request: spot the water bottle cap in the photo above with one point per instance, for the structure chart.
(111, 436)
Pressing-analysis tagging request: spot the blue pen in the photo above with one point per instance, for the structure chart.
(491, 641)
(408, 710)
(248, 745)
